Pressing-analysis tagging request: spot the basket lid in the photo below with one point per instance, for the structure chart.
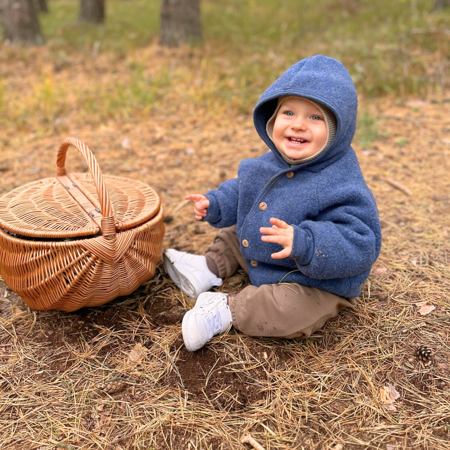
(77, 205)
(68, 206)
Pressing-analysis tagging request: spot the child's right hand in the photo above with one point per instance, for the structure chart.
(201, 205)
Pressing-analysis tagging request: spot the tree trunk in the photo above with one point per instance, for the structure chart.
(20, 22)
(439, 4)
(92, 11)
(41, 6)
(180, 22)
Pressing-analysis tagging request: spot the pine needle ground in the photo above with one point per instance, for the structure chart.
(118, 376)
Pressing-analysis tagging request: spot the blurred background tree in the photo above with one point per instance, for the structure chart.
(41, 6)
(180, 22)
(92, 11)
(439, 4)
(20, 22)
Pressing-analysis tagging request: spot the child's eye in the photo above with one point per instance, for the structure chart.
(315, 117)
(289, 113)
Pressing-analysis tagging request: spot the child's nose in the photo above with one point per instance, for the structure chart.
(299, 123)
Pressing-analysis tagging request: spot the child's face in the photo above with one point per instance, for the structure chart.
(299, 130)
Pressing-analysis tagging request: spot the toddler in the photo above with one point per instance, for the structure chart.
(300, 220)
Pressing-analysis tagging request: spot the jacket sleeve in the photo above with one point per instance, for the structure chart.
(223, 204)
(342, 241)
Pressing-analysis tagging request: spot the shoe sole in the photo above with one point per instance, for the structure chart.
(185, 334)
(178, 278)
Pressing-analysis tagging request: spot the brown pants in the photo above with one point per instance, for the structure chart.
(285, 310)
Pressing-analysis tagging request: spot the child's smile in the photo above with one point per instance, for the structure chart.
(299, 130)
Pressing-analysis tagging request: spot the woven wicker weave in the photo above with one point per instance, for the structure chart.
(79, 239)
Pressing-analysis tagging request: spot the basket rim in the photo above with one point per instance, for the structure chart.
(91, 227)
(77, 242)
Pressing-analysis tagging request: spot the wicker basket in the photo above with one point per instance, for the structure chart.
(79, 239)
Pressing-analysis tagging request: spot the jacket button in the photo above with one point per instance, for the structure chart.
(290, 174)
(262, 206)
(245, 243)
(254, 263)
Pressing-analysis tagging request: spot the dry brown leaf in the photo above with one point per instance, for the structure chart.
(424, 308)
(137, 354)
(388, 396)
(17, 312)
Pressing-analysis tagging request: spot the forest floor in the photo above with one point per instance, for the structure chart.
(118, 377)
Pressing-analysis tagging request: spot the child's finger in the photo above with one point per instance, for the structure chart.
(278, 223)
(272, 230)
(201, 212)
(282, 254)
(279, 239)
(195, 197)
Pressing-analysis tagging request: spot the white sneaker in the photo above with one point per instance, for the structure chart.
(190, 272)
(210, 316)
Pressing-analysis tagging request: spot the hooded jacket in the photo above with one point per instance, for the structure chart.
(337, 235)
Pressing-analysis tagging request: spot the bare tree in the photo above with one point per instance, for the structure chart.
(41, 6)
(439, 4)
(92, 11)
(20, 22)
(180, 22)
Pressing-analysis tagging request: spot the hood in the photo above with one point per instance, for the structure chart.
(324, 80)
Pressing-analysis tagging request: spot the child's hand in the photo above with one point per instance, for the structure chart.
(201, 205)
(279, 233)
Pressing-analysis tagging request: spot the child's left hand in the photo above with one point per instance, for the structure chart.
(279, 233)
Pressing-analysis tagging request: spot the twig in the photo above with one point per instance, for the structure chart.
(397, 185)
(429, 30)
(181, 205)
(405, 118)
(249, 440)
(61, 444)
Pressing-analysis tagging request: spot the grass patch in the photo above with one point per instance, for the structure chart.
(389, 47)
(366, 129)
(128, 25)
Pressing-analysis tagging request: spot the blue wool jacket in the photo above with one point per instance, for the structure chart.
(337, 234)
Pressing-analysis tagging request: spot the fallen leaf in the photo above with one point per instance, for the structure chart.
(381, 271)
(416, 103)
(137, 354)
(424, 308)
(17, 312)
(125, 143)
(337, 447)
(388, 396)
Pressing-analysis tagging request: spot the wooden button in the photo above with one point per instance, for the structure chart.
(245, 243)
(290, 174)
(262, 206)
(254, 263)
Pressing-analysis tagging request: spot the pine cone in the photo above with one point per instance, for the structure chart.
(113, 386)
(424, 355)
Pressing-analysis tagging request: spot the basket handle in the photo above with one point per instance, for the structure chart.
(107, 225)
